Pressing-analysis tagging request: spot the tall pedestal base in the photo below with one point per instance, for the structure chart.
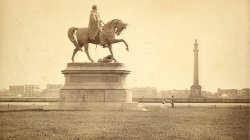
(196, 91)
(96, 86)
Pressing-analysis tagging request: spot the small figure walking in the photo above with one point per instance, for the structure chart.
(172, 102)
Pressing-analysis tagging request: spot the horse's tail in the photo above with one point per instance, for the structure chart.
(71, 32)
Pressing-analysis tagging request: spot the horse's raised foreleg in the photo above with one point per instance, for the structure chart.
(86, 46)
(111, 52)
(112, 41)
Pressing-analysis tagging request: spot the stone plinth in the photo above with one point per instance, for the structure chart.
(96, 86)
(196, 91)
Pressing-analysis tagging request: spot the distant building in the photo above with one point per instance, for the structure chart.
(163, 94)
(25, 90)
(144, 92)
(244, 93)
(54, 87)
(234, 93)
(227, 91)
(5, 93)
(224, 96)
(210, 95)
(52, 90)
(177, 93)
(231, 93)
(151, 92)
(180, 93)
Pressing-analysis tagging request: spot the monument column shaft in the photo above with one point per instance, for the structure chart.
(196, 88)
(196, 69)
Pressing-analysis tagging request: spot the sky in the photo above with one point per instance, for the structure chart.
(34, 46)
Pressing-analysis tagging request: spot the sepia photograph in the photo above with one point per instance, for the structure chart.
(124, 69)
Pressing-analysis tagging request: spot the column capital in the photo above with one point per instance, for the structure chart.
(195, 43)
(196, 46)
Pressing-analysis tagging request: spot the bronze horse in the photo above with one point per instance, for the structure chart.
(112, 28)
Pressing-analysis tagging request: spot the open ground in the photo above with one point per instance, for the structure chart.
(156, 123)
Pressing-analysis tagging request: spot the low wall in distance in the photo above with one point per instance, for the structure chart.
(35, 99)
(190, 100)
(140, 100)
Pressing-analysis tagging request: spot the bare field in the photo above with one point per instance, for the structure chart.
(179, 123)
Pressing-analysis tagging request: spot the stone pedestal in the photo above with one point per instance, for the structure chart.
(196, 91)
(96, 86)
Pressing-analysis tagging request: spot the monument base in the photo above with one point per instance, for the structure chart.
(95, 86)
(196, 92)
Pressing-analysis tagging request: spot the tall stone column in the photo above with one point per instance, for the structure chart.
(196, 88)
(196, 68)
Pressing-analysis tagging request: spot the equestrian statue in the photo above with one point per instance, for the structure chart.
(97, 34)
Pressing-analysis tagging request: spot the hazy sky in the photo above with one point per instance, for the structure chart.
(34, 46)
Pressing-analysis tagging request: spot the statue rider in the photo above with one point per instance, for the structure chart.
(95, 27)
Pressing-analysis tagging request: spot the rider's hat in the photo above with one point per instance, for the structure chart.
(94, 6)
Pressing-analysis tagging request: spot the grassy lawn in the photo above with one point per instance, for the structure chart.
(179, 123)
